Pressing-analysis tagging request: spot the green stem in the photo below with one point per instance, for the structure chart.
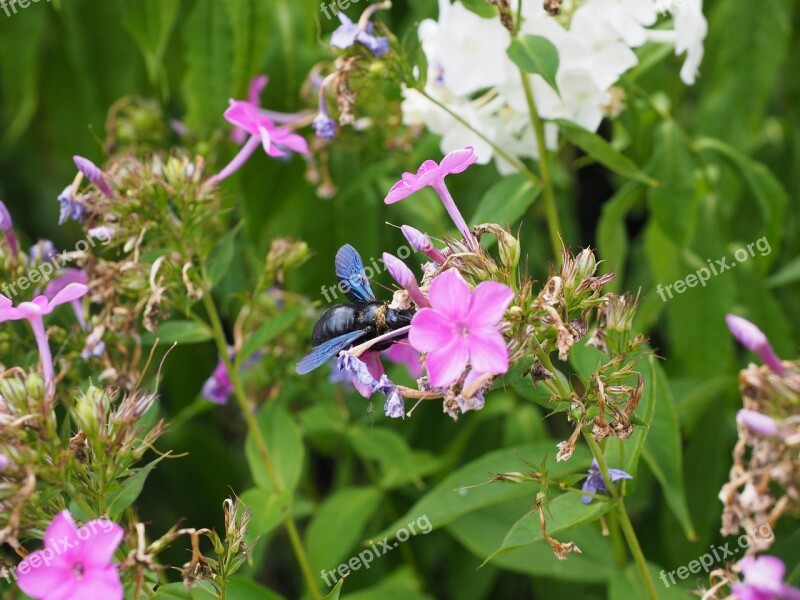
(551, 210)
(255, 431)
(624, 519)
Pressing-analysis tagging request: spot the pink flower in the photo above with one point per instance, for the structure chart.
(460, 327)
(405, 354)
(68, 276)
(405, 277)
(422, 243)
(257, 85)
(75, 563)
(275, 140)
(433, 174)
(752, 338)
(34, 312)
(763, 580)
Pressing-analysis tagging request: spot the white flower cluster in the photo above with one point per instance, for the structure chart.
(470, 73)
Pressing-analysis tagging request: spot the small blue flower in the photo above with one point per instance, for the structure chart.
(70, 208)
(395, 406)
(595, 484)
(43, 251)
(324, 126)
(348, 33)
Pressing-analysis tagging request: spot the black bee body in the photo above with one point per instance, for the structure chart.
(372, 318)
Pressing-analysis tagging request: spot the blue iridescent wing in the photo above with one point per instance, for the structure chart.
(350, 271)
(319, 355)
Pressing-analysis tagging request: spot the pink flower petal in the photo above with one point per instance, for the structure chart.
(374, 364)
(103, 538)
(487, 351)
(43, 581)
(71, 292)
(61, 528)
(447, 363)
(292, 141)
(399, 191)
(458, 161)
(101, 584)
(266, 142)
(430, 330)
(449, 295)
(404, 353)
(488, 304)
(5, 302)
(257, 85)
(764, 571)
(244, 115)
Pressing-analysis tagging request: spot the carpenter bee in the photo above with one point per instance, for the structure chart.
(345, 324)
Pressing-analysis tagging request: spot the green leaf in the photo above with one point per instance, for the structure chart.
(399, 585)
(399, 464)
(222, 257)
(150, 23)
(269, 510)
(536, 55)
(267, 332)
(626, 584)
(788, 273)
(612, 234)
(603, 152)
(209, 52)
(242, 588)
(285, 446)
(177, 591)
(337, 527)
(181, 332)
(130, 490)
(334, 595)
(461, 492)
(663, 450)
(506, 201)
(482, 8)
(564, 512)
(250, 19)
(767, 190)
(673, 203)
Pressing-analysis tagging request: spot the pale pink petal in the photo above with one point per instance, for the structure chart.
(53, 581)
(5, 302)
(61, 528)
(404, 353)
(374, 364)
(71, 292)
(399, 191)
(362, 388)
(488, 304)
(103, 537)
(430, 330)
(764, 570)
(266, 142)
(102, 584)
(426, 174)
(446, 364)
(487, 351)
(458, 161)
(257, 85)
(449, 295)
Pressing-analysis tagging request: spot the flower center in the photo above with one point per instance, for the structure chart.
(462, 329)
(78, 570)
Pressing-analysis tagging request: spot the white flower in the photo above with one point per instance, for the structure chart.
(628, 17)
(468, 52)
(605, 55)
(691, 28)
(581, 100)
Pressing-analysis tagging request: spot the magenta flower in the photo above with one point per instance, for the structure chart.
(752, 338)
(257, 85)
(366, 372)
(433, 174)
(74, 563)
(422, 243)
(93, 173)
(404, 353)
(219, 386)
(68, 276)
(405, 277)
(276, 140)
(7, 225)
(34, 312)
(460, 327)
(763, 580)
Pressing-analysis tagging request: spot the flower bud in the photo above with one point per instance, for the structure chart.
(757, 423)
(422, 243)
(13, 391)
(34, 385)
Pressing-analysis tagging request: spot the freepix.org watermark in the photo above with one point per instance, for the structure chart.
(718, 555)
(10, 6)
(717, 267)
(365, 558)
(49, 553)
(342, 4)
(371, 269)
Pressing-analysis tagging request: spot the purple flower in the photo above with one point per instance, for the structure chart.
(348, 33)
(324, 126)
(752, 338)
(422, 243)
(43, 251)
(93, 173)
(70, 207)
(74, 563)
(7, 225)
(395, 407)
(67, 277)
(367, 374)
(218, 387)
(595, 483)
(405, 277)
(757, 422)
(763, 580)
(461, 326)
(34, 312)
(5, 462)
(431, 173)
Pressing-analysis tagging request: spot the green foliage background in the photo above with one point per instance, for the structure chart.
(725, 151)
